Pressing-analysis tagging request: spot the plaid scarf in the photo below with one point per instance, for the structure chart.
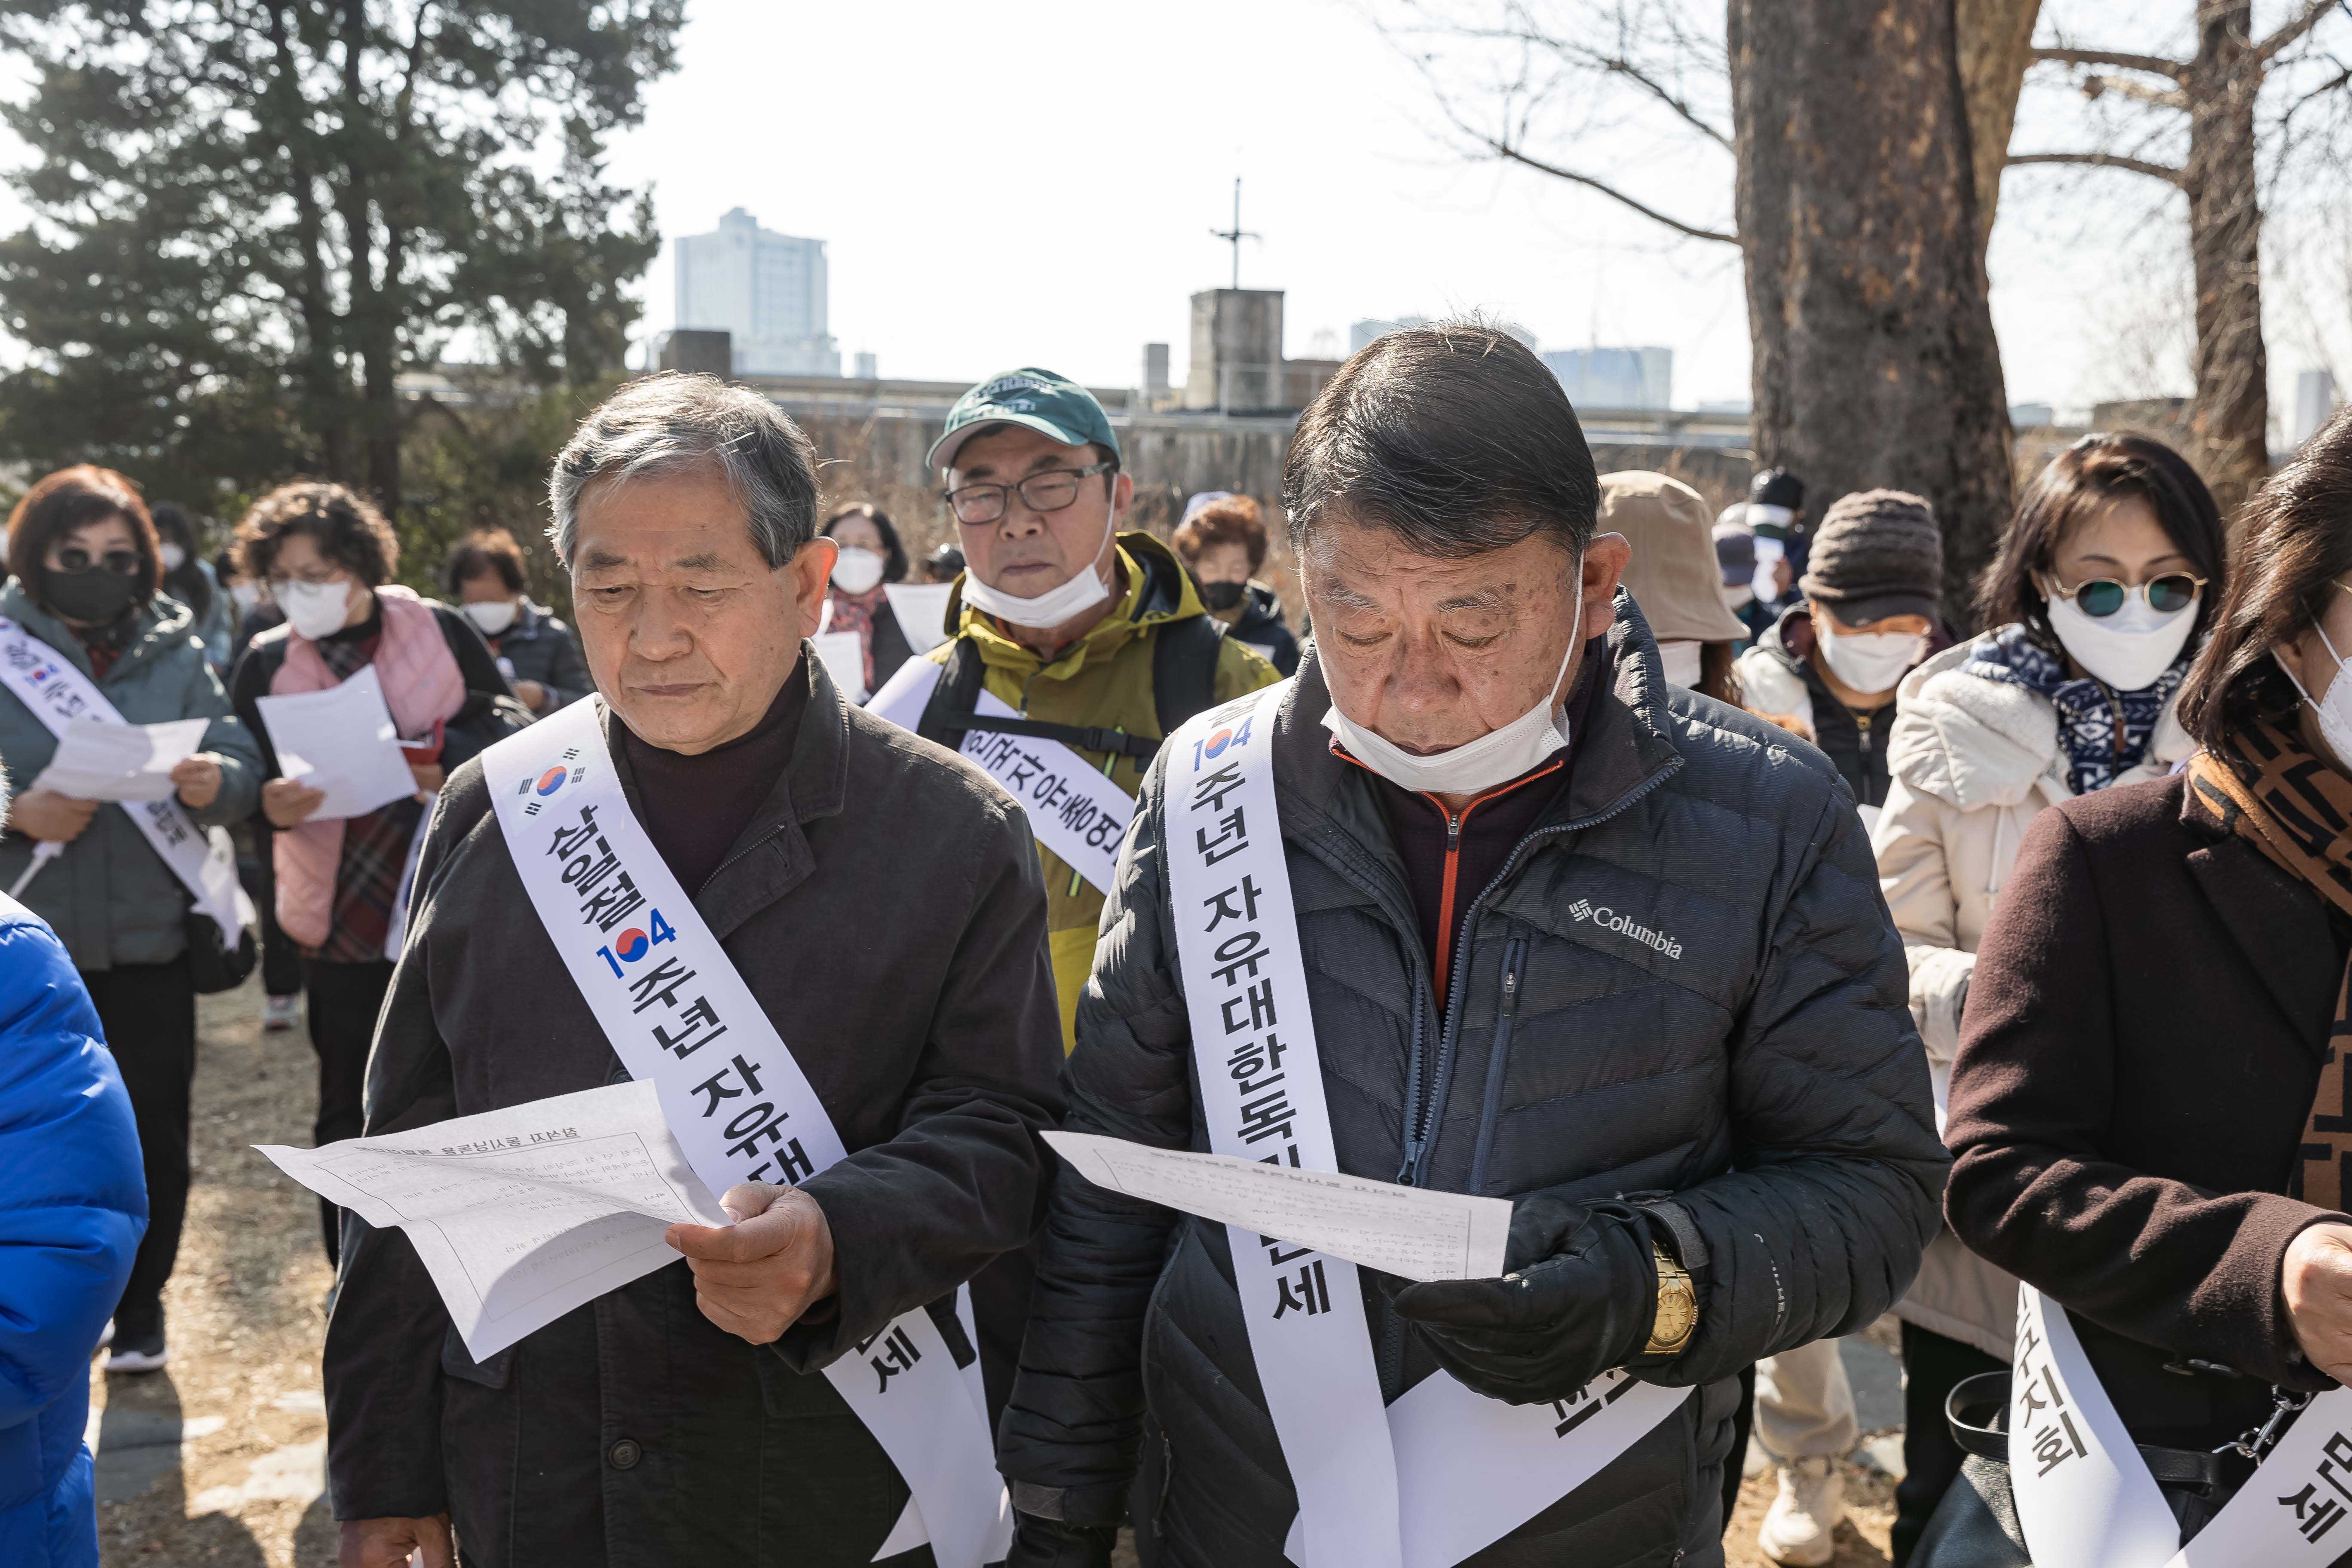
(2266, 786)
(375, 847)
(2088, 711)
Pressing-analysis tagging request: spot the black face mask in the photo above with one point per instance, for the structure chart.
(1222, 595)
(94, 596)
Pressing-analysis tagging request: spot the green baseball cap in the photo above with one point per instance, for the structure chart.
(1054, 406)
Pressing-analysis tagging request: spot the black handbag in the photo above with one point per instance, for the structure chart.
(213, 964)
(1975, 1525)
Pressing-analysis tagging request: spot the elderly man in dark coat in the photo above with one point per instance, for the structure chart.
(881, 900)
(1553, 931)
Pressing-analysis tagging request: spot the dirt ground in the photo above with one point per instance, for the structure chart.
(218, 1460)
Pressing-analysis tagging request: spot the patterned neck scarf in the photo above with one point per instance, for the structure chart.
(2087, 712)
(854, 613)
(2267, 787)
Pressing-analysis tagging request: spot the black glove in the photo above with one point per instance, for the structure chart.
(1049, 1543)
(1581, 1297)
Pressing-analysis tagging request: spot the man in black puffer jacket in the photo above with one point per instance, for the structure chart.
(1569, 936)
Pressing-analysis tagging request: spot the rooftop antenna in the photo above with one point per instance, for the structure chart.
(1235, 235)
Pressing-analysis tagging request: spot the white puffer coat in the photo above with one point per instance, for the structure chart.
(1974, 762)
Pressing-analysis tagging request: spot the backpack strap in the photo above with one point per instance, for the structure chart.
(948, 712)
(1184, 682)
(1184, 669)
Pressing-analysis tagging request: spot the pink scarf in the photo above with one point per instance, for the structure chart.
(421, 683)
(854, 613)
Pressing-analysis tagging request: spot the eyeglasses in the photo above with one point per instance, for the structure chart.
(2103, 596)
(73, 558)
(976, 506)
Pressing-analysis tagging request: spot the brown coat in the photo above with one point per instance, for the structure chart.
(2144, 1031)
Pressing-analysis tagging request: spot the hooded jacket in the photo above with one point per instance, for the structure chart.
(1102, 679)
(1756, 1082)
(110, 897)
(1973, 761)
(75, 1205)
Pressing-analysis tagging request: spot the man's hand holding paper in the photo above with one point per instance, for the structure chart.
(756, 1277)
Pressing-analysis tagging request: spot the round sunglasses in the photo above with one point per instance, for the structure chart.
(2103, 596)
(73, 559)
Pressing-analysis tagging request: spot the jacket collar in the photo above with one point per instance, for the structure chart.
(773, 855)
(2278, 923)
(162, 624)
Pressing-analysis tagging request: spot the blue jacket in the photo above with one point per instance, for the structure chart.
(73, 1207)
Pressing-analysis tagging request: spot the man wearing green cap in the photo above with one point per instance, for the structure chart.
(1075, 646)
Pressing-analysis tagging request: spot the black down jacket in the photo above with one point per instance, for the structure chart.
(1760, 1087)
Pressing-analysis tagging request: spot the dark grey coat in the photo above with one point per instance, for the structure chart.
(1768, 1079)
(886, 909)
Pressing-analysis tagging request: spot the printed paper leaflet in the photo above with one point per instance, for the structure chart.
(1413, 1232)
(523, 1214)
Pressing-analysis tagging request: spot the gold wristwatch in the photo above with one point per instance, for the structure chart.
(1677, 1316)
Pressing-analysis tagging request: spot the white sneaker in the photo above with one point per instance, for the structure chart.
(149, 1355)
(1799, 1527)
(281, 1012)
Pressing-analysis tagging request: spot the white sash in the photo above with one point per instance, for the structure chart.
(664, 990)
(2084, 1497)
(1073, 809)
(1444, 1472)
(206, 863)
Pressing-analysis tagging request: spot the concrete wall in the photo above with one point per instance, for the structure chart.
(1236, 350)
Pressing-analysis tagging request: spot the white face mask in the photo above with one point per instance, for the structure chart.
(491, 616)
(1060, 604)
(1495, 757)
(1681, 656)
(2335, 712)
(2128, 649)
(856, 570)
(1739, 598)
(246, 596)
(1869, 662)
(172, 556)
(315, 609)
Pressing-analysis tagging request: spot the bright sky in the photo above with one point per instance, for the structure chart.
(997, 191)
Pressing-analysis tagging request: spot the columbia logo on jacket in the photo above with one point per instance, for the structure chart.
(1624, 925)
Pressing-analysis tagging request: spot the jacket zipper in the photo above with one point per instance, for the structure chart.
(1862, 721)
(1498, 1059)
(1425, 1091)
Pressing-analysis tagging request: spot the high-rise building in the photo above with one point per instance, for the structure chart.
(1615, 378)
(766, 290)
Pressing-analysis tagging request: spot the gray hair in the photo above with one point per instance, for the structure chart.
(669, 423)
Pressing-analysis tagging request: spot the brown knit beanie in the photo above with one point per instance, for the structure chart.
(1877, 553)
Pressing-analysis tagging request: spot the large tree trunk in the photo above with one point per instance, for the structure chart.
(1874, 361)
(1996, 45)
(2231, 416)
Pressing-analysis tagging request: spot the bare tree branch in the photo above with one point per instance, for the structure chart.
(2168, 175)
(2287, 34)
(2095, 87)
(2154, 65)
(1505, 151)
